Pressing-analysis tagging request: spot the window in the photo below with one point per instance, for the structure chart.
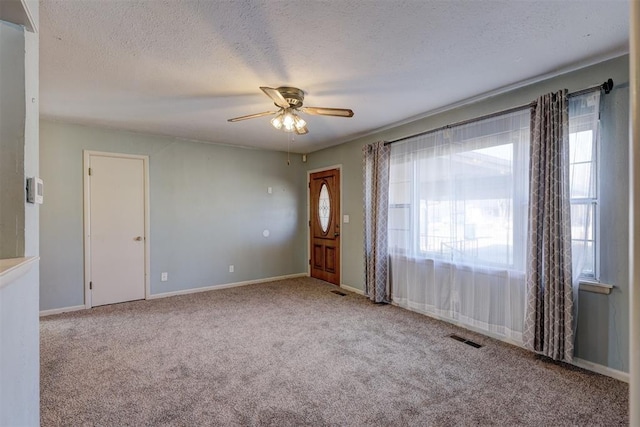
(461, 194)
(584, 150)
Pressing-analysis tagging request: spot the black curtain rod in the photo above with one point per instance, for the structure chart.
(606, 87)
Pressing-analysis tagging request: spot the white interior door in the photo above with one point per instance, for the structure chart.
(116, 229)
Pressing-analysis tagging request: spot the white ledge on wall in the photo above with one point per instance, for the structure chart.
(595, 287)
(13, 268)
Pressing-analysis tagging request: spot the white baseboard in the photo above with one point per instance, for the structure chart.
(225, 286)
(352, 289)
(580, 363)
(601, 369)
(53, 311)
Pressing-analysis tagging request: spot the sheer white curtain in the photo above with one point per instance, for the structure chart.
(584, 135)
(457, 223)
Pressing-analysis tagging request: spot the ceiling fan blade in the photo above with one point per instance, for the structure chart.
(252, 116)
(275, 96)
(302, 131)
(336, 112)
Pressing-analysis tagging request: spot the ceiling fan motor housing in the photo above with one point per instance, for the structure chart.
(292, 95)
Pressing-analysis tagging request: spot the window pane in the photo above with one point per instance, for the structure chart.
(581, 146)
(582, 184)
(399, 192)
(459, 187)
(582, 216)
(465, 205)
(583, 253)
(399, 227)
(324, 208)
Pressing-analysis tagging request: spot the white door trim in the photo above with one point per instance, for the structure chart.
(87, 212)
(309, 172)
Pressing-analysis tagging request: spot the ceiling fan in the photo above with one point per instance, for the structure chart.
(289, 99)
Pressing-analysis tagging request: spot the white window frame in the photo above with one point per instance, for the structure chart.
(593, 201)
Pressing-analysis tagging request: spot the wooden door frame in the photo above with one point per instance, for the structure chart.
(309, 172)
(87, 217)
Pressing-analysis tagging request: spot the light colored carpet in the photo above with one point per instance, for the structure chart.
(292, 353)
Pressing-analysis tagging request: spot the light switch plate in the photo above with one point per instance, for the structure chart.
(345, 219)
(34, 190)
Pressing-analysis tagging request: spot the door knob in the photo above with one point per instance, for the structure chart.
(336, 234)
(138, 239)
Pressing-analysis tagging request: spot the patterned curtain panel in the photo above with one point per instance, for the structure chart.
(549, 316)
(376, 207)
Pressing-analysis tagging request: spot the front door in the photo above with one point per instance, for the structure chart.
(116, 229)
(324, 223)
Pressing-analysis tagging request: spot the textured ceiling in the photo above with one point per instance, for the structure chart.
(182, 68)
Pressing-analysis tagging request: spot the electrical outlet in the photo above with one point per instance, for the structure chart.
(164, 277)
(231, 269)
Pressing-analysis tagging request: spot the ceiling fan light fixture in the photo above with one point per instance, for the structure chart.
(277, 121)
(299, 123)
(288, 120)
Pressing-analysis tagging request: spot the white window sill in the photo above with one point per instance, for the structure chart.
(595, 287)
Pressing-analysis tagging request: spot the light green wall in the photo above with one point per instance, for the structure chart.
(12, 121)
(209, 206)
(602, 335)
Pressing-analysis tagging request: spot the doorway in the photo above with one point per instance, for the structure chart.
(324, 225)
(116, 228)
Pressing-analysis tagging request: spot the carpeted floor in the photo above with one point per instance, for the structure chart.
(292, 353)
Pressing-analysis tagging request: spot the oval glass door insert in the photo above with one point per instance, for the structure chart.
(324, 208)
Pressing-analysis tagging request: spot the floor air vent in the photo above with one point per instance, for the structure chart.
(466, 341)
(338, 293)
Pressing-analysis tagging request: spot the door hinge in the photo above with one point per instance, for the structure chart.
(309, 185)
(309, 223)
(90, 285)
(309, 262)
(89, 171)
